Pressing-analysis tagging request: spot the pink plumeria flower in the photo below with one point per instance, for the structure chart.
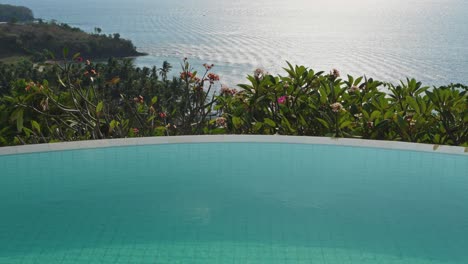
(282, 99)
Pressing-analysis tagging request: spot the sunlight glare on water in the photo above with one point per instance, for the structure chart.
(388, 40)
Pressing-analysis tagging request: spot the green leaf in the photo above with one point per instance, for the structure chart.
(345, 124)
(65, 52)
(257, 126)
(260, 99)
(160, 131)
(401, 122)
(237, 121)
(302, 121)
(76, 56)
(350, 80)
(358, 80)
(218, 131)
(99, 107)
(365, 114)
(432, 97)
(154, 100)
(323, 95)
(323, 122)
(388, 114)
(413, 103)
(27, 131)
(285, 123)
(61, 82)
(112, 125)
(376, 114)
(271, 78)
(36, 126)
(19, 120)
(269, 122)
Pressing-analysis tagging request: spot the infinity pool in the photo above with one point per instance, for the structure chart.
(234, 203)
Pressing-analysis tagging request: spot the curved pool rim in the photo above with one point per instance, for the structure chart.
(348, 142)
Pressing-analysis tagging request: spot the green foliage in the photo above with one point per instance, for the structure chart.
(39, 40)
(81, 100)
(94, 101)
(311, 103)
(10, 13)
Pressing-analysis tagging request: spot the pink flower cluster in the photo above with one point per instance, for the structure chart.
(208, 66)
(226, 91)
(33, 85)
(221, 122)
(184, 75)
(212, 77)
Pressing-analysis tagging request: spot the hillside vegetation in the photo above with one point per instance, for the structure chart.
(10, 13)
(42, 40)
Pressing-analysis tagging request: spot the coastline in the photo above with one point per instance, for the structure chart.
(48, 41)
(18, 58)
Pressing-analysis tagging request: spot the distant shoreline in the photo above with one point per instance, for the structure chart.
(46, 41)
(24, 37)
(12, 13)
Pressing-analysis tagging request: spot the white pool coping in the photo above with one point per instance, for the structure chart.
(105, 143)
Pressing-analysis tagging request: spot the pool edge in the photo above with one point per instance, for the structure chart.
(104, 143)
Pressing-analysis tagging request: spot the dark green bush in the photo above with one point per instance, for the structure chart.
(10, 13)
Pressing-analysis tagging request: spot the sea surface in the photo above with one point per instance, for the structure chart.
(387, 40)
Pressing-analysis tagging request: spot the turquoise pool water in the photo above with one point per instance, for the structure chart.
(234, 203)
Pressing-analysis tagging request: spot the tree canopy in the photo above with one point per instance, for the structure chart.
(11, 13)
(40, 39)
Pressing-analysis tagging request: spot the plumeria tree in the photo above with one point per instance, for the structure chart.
(305, 102)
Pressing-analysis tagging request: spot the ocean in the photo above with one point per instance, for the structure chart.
(386, 40)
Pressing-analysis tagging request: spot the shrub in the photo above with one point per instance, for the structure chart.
(311, 103)
(82, 100)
